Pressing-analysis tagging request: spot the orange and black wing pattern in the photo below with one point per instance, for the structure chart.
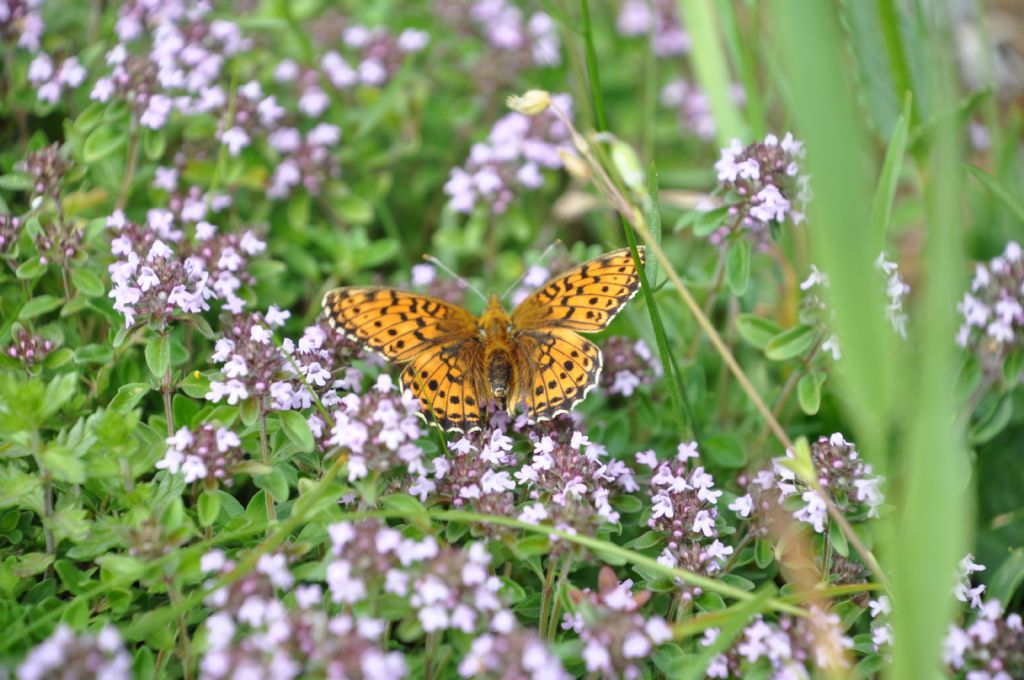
(437, 340)
(584, 299)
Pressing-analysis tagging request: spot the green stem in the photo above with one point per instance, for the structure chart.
(601, 118)
(556, 606)
(545, 601)
(265, 451)
(129, 170)
(183, 641)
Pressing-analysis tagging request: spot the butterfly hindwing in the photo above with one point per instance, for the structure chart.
(562, 368)
(396, 324)
(584, 299)
(446, 381)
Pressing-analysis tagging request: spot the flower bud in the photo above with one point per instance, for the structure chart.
(575, 165)
(531, 103)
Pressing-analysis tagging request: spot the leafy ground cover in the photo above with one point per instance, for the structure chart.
(803, 455)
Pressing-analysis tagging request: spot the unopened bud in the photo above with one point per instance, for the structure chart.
(628, 165)
(531, 103)
(576, 166)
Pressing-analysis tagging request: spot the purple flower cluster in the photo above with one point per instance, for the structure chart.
(255, 632)
(842, 474)
(506, 29)
(470, 477)
(47, 168)
(792, 648)
(517, 149)
(66, 654)
(160, 274)
(29, 348)
(628, 364)
(378, 430)
(992, 310)
(186, 51)
(990, 648)
(51, 78)
(449, 588)
(569, 483)
(510, 651)
(694, 107)
(253, 366)
(616, 637)
(817, 312)
(207, 453)
(684, 509)
(305, 159)
(21, 23)
(659, 19)
(761, 184)
(10, 231)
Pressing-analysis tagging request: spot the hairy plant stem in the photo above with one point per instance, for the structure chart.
(265, 451)
(430, 653)
(129, 170)
(183, 641)
(166, 389)
(545, 602)
(556, 606)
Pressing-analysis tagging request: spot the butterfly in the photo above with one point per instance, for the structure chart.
(456, 363)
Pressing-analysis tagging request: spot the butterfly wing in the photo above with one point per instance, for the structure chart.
(396, 324)
(584, 299)
(559, 368)
(439, 342)
(447, 380)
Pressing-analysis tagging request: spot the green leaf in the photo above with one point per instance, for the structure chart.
(128, 395)
(94, 354)
(838, 539)
(533, 544)
(354, 209)
(997, 189)
(1008, 577)
(274, 483)
(408, 505)
(888, 181)
(87, 282)
(64, 463)
(38, 306)
(16, 181)
(993, 422)
(208, 507)
(153, 144)
(103, 142)
(59, 358)
(32, 564)
(790, 343)
(763, 553)
(755, 330)
(808, 392)
(710, 221)
(158, 356)
(58, 391)
(32, 269)
(724, 449)
(297, 430)
(737, 266)
(195, 385)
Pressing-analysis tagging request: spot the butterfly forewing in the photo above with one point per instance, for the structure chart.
(585, 298)
(396, 324)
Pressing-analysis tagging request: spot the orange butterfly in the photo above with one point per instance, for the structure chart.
(534, 357)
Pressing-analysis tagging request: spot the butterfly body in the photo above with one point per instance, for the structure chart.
(456, 363)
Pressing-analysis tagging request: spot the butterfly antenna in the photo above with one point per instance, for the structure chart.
(443, 267)
(541, 258)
